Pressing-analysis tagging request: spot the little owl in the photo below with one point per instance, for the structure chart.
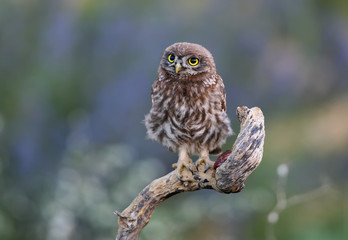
(188, 111)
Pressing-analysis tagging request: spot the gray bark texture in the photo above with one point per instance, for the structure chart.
(229, 177)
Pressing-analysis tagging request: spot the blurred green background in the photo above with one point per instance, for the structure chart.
(75, 80)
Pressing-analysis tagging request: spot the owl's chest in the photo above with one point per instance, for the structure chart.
(185, 104)
(187, 112)
(189, 100)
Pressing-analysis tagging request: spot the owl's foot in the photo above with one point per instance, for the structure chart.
(188, 164)
(204, 162)
(182, 166)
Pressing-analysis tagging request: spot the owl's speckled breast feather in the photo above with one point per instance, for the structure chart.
(190, 113)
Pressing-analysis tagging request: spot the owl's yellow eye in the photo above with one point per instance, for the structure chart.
(171, 58)
(193, 61)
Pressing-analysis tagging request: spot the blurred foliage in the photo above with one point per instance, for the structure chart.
(75, 79)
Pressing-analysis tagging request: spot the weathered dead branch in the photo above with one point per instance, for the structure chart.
(246, 155)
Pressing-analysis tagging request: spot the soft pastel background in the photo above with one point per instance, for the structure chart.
(75, 79)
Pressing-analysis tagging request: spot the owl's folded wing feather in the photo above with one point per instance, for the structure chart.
(222, 92)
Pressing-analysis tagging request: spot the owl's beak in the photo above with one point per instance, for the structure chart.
(177, 67)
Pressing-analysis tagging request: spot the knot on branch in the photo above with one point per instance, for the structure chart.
(227, 177)
(127, 222)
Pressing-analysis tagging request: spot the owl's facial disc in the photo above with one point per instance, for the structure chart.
(182, 66)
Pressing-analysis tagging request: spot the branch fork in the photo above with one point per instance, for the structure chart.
(229, 177)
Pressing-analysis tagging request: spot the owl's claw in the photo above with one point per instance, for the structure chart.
(206, 161)
(191, 169)
(178, 177)
(183, 164)
(207, 167)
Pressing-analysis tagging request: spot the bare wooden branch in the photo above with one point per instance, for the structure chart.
(229, 177)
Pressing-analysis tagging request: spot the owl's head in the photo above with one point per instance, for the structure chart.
(184, 60)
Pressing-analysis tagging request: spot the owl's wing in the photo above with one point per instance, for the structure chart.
(154, 90)
(223, 101)
(152, 96)
(221, 89)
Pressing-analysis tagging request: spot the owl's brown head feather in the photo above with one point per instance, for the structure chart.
(187, 61)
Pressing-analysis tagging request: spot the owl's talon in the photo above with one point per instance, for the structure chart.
(207, 162)
(184, 164)
(178, 177)
(192, 170)
(206, 167)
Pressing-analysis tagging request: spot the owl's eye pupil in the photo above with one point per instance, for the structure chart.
(171, 58)
(193, 61)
